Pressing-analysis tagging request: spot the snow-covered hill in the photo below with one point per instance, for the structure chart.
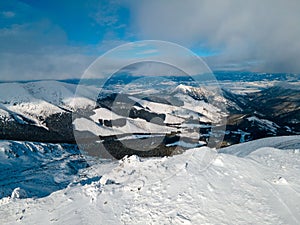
(35, 101)
(251, 183)
(43, 111)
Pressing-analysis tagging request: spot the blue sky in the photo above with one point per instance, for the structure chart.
(42, 39)
(81, 20)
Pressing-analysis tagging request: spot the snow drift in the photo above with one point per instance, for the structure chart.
(245, 184)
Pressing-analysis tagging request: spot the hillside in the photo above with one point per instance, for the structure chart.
(173, 113)
(245, 184)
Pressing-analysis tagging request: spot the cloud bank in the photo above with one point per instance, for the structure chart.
(37, 43)
(258, 35)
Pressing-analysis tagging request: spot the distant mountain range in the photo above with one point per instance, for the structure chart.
(151, 117)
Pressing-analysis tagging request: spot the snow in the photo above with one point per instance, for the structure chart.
(36, 168)
(131, 126)
(53, 92)
(105, 114)
(208, 110)
(244, 88)
(155, 106)
(170, 119)
(40, 99)
(147, 127)
(83, 124)
(3, 113)
(200, 92)
(244, 149)
(33, 102)
(250, 183)
(264, 124)
(18, 193)
(242, 133)
(186, 144)
(139, 136)
(191, 108)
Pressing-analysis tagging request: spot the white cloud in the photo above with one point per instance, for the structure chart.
(34, 48)
(42, 66)
(106, 13)
(257, 35)
(149, 51)
(266, 31)
(154, 69)
(39, 50)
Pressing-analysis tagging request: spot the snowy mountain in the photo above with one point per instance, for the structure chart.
(182, 112)
(51, 131)
(36, 101)
(247, 183)
(41, 110)
(51, 111)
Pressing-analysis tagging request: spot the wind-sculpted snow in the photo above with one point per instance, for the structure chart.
(244, 149)
(37, 168)
(200, 186)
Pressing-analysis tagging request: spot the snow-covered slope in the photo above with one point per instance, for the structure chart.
(47, 106)
(34, 101)
(244, 149)
(264, 124)
(38, 168)
(200, 186)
